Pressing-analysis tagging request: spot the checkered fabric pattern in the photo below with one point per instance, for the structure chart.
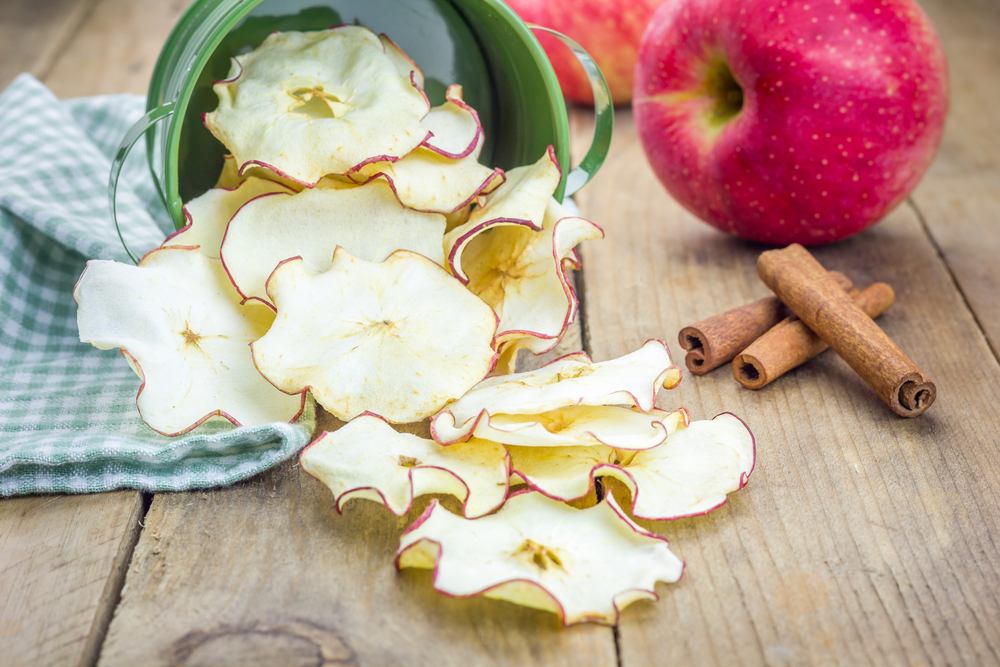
(68, 421)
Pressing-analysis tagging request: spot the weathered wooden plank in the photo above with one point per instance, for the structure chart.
(62, 564)
(962, 214)
(862, 538)
(268, 573)
(63, 558)
(959, 200)
(968, 30)
(116, 48)
(33, 32)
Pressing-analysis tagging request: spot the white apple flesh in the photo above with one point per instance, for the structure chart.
(790, 122)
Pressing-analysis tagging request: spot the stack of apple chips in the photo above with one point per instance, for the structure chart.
(355, 251)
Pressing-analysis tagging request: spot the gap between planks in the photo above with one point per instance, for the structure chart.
(954, 279)
(116, 581)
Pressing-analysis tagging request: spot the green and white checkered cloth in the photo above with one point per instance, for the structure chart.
(68, 421)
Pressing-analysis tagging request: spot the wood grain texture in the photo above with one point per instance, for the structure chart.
(62, 563)
(63, 558)
(862, 538)
(959, 200)
(115, 49)
(33, 33)
(268, 573)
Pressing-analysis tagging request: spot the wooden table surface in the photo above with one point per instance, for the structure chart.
(862, 538)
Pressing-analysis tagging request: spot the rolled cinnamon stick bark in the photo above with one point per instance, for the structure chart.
(791, 343)
(806, 288)
(716, 340)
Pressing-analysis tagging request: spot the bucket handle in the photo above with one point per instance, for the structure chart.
(604, 112)
(140, 128)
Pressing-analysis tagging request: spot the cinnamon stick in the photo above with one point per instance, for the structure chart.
(804, 285)
(791, 343)
(716, 340)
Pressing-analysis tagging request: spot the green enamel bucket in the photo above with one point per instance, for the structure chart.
(480, 44)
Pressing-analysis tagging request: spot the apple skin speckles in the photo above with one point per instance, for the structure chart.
(860, 122)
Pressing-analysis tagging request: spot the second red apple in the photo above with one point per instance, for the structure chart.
(609, 30)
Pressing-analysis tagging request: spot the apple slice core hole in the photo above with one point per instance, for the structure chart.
(315, 103)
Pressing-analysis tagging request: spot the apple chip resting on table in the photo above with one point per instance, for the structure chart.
(355, 249)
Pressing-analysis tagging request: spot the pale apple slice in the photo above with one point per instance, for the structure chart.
(179, 322)
(584, 565)
(426, 181)
(455, 128)
(399, 339)
(229, 177)
(307, 104)
(366, 221)
(507, 361)
(404, 64)
(690, 473)
(209, 214)
(519, 271)
(461, 216)
(633, 380)
(366, 458)
(522, 200)
(582, 425)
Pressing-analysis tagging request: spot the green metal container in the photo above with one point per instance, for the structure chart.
(480, 44)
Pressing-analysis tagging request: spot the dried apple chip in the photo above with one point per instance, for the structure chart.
(634, 379)
(366, 458)
(520, 272)
(454, 126)
(307, 104)
(584, 565)
(366, 221)
(209, 214)
(179, 322)
(582, 425)
(404, 64)
(689, 474)
(229, 177)
(522, 200)
(399, 339)
(427, 181)
(459, 217)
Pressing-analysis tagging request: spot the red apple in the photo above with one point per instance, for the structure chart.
(609, 30)
(788, 121)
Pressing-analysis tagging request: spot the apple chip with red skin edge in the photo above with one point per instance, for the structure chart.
(584, 565)
(519, 271)
(690, 473)
(231, 178)
(582, 425)
(399, 339)
(179, 322)
(366, 221)
(454, 126)
(209, 214)
(507, 361)
(426, 181)
(634, 379)
(366, 458)
(307, 104)
(522, 200)
(404, 64)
